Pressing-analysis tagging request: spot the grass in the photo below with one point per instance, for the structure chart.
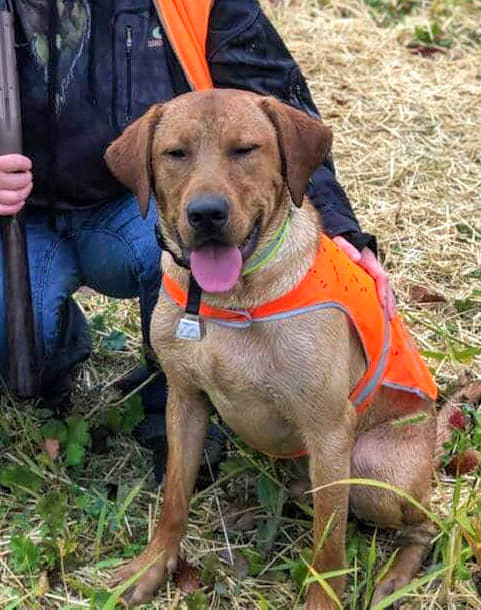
(399, 82)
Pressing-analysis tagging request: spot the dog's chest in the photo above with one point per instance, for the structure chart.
(259, 379)
(256, 384)
(266, 381)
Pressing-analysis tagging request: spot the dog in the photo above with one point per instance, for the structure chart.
(229, 170)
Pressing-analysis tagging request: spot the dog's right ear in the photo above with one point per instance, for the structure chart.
(129, 156)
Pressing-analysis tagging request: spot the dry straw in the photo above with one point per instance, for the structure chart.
(407, 145)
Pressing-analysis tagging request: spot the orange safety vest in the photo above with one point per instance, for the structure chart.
(186, 23)
(334, 281)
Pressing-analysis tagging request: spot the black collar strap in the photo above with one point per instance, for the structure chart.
(194, 295)
(190, 326)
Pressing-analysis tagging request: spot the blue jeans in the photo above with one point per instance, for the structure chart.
(110, 249)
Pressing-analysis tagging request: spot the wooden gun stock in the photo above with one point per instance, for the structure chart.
(22, 377)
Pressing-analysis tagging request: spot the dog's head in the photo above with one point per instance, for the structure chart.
(219, 163)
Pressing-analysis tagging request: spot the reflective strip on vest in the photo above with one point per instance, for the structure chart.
(186, 23)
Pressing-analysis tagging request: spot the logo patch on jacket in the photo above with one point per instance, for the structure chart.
(156, 39)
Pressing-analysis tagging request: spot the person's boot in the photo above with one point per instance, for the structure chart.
(61, 369)
(56, 395)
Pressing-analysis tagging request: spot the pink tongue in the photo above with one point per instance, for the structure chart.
(215, 267)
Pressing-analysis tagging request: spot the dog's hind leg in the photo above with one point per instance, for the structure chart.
(399, 453)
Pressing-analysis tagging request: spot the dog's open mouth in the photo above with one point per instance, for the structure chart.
(217, 266)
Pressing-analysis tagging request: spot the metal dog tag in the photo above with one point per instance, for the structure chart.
(190, 328)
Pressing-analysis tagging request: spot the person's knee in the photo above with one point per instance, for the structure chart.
(120, 253)
(116, 268)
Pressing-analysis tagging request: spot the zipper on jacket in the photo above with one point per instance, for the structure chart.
(129, 43)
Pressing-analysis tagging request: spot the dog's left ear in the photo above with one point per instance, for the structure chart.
(129, 156)
(304, 143)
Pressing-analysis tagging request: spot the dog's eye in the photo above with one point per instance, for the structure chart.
(176, 153)
(242, 151)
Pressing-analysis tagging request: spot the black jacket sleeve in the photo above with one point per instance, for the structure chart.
(245, 52)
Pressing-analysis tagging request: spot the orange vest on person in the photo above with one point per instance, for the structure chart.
(334, 281)
(186, 23)
(391, 356)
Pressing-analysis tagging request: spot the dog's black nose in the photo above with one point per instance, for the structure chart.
(208, 214)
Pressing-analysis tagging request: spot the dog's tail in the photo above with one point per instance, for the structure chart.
(450, 418)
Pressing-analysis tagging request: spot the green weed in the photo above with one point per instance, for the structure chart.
(432, 35)
(387, 12)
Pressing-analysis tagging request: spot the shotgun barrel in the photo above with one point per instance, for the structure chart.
(22, 373)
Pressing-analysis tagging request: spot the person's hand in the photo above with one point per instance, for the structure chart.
(368, 261)
(15, 183)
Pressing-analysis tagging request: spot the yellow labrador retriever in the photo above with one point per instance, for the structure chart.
(225, 167)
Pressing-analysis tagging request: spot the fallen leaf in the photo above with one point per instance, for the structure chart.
(43, 584)
(186, 577)
(339, 100)
(52, 447)
(420, 294)
(457, 420)
(464, 463)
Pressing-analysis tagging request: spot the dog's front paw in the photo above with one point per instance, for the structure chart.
(152, 567)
